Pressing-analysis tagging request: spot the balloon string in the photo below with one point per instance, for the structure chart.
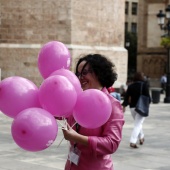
(61, 128)
(60, 123)
(60, 142)
(73, 125)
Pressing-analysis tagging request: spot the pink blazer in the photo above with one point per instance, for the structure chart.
(102, 141)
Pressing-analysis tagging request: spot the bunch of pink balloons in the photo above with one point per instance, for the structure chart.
(60, 95)
(34, 127)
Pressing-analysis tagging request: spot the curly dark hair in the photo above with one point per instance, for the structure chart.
(102, 67)
(139, 76)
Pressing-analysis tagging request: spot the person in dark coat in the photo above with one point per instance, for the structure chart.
(131, 98)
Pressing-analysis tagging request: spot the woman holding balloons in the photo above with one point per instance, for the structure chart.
(92, 146)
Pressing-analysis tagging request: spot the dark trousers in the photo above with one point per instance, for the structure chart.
(163, 86)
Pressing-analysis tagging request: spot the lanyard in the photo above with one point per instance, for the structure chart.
(77, 127)
(77, 130)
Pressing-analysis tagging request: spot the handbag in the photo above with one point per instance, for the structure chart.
(142, 106)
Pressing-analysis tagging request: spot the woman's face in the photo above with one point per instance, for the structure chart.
(87, 77)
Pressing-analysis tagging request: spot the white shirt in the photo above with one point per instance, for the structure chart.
(163, 79)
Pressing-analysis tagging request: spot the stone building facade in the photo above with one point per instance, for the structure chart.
(131, 16)
(95, 26)
(152, 57)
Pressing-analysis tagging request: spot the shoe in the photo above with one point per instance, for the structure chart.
(132, 145)
(141, 141)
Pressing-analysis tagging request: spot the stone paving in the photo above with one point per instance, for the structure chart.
(153, 155)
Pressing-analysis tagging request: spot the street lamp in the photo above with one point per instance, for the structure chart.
(166, 26)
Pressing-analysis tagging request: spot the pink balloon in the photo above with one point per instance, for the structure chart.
(93, 108)
(68, 114)
(57, 95)
(17, 94)
(71, 77)
(53, 56)
(34, 129)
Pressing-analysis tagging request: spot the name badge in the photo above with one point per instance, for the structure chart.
(74, 155)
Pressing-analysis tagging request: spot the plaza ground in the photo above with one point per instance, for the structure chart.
(153, 155)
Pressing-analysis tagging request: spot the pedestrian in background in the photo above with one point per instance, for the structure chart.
(131, 98)
(115, 94)
(163, 81)
(93, 147)
(124, 87)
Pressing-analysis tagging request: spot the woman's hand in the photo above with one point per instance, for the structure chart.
(71, 135)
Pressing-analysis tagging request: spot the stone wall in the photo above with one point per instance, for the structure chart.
(95, 26)
(35, 22)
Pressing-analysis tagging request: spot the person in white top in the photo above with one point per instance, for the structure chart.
(163, 83)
